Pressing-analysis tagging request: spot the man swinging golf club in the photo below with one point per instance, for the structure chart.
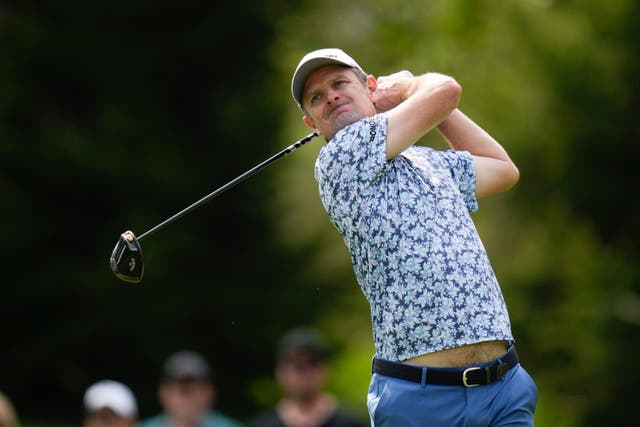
(444, 348)
(445, 353)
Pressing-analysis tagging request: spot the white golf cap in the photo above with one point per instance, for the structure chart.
(314, 60)
(111, 395)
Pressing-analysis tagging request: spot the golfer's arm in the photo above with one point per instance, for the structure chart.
(428, 99)
(494, 169)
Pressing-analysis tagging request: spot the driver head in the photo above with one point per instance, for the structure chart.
(126, 259)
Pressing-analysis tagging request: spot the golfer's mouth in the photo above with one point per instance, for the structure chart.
(340, 108)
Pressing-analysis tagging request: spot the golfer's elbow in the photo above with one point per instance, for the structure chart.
(512, 176)
(495, 176)
(509, 176)
(437, 89)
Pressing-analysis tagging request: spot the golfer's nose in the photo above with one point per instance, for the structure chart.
(332, 95)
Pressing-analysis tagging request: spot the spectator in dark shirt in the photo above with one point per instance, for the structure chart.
(301, 371)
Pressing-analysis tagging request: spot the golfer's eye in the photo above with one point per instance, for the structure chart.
(340, 83)
(314, 98)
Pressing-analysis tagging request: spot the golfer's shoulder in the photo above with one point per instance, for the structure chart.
(356, 132)
(355, 141)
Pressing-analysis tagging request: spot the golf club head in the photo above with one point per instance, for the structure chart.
(126, 259)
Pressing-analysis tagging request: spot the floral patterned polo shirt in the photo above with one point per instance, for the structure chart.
(414, 248)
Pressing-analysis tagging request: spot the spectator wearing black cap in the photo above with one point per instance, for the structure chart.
(301, 371)
(187, 395)
(109, 403)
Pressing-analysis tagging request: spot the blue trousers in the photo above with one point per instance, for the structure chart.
(510, 401)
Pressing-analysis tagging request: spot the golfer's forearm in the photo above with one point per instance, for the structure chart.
(494, 169)
(464, 134)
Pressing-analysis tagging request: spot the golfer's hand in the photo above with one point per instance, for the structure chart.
(391, 90)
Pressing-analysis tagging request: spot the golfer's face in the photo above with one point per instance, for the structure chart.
(334, 97)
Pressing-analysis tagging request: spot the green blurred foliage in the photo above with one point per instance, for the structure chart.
(114, 115)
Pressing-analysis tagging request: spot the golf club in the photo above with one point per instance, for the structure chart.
(126, 258)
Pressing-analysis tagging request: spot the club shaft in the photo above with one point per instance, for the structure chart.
(228, 185)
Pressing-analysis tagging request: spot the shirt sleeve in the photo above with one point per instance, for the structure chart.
(460, 164)
(356, 155)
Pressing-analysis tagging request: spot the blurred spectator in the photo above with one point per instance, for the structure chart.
(8, 417)
(301, 371)
(188, 395)
(109, 403)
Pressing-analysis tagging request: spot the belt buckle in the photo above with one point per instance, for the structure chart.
(464, 376)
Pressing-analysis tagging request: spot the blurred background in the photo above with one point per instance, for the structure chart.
(116, 114)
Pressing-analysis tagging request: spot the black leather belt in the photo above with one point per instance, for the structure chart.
(469, 376)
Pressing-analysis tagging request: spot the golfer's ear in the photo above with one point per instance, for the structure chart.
(309, 122)
(372, 84)
(371, 80)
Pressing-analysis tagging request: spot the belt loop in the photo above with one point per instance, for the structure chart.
(424, 377)
(487, 374)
